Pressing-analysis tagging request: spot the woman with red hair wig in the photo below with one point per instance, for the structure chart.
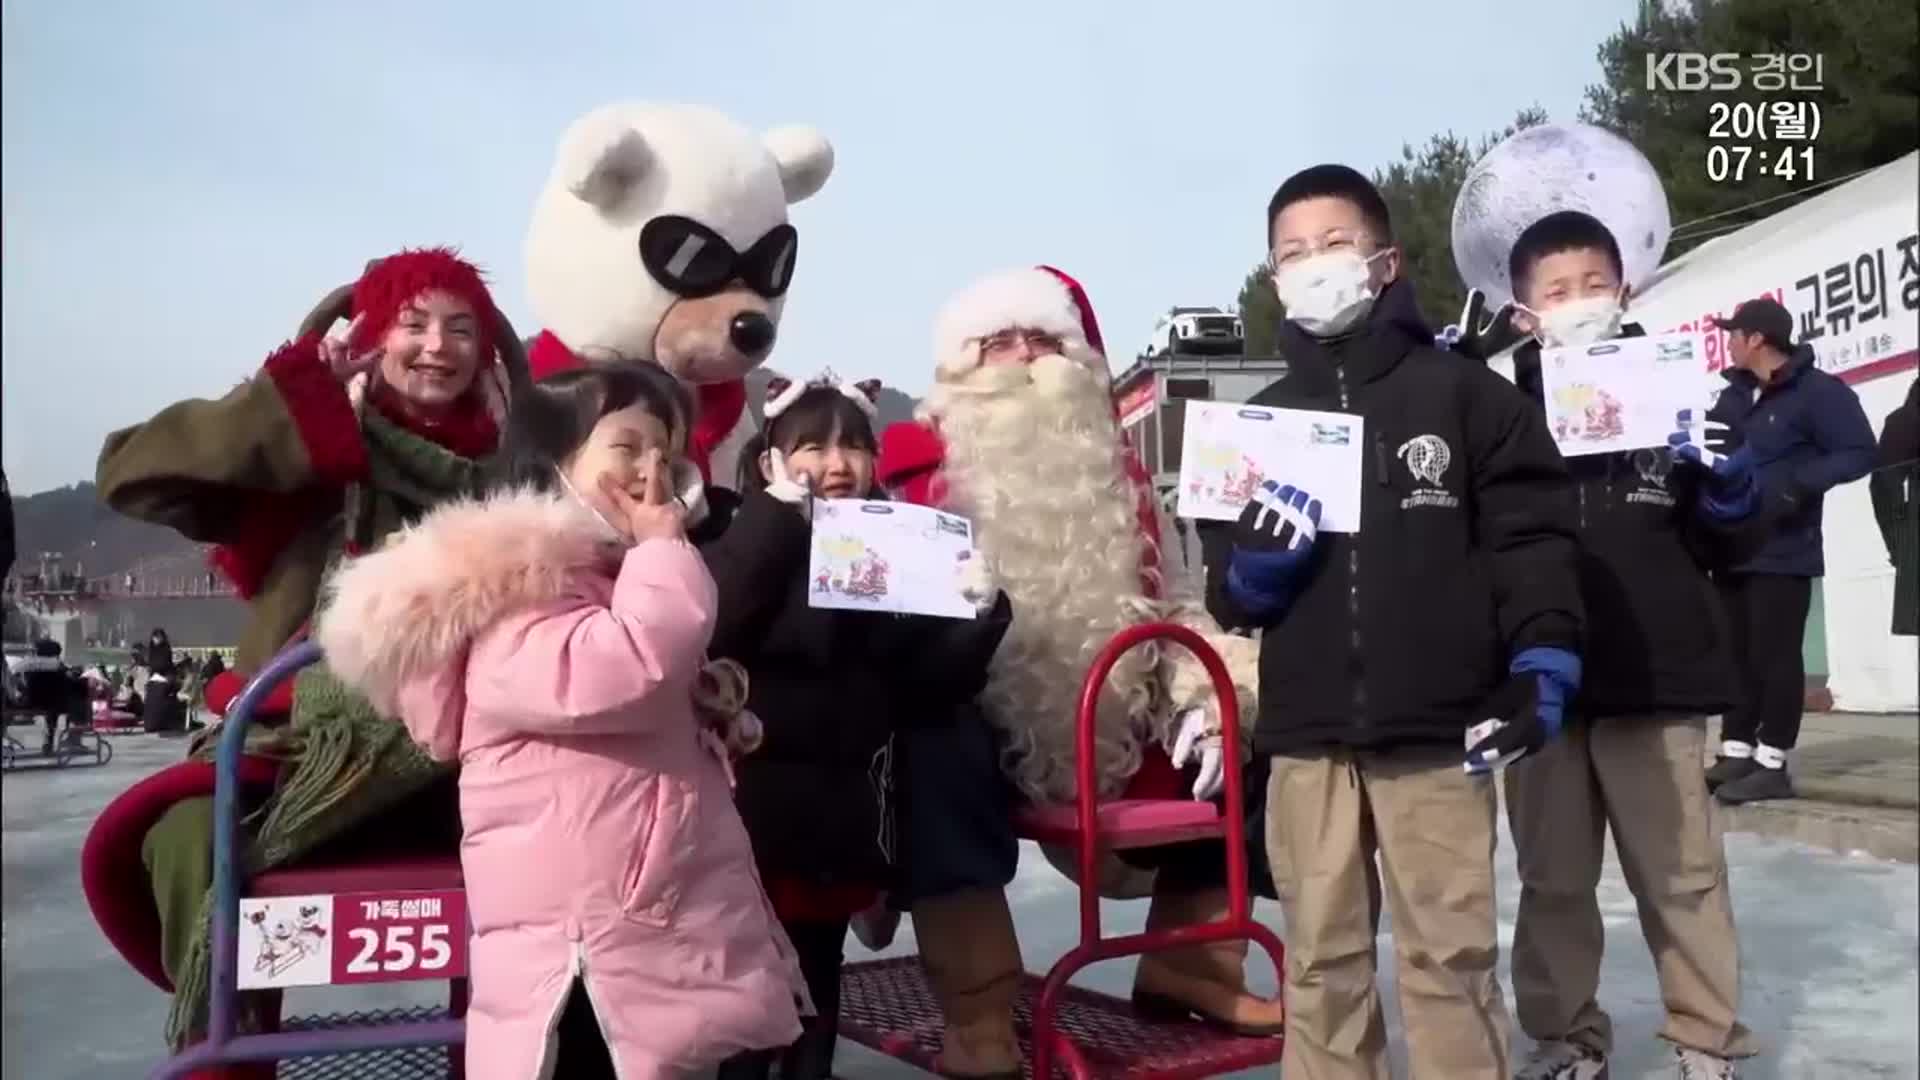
(333, 444)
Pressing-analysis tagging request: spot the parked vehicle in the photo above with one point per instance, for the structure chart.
(1197, 330)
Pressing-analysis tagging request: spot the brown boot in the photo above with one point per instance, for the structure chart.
(973, 966)
(1204, 981)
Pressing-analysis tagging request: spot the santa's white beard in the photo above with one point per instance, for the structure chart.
(1033, 457)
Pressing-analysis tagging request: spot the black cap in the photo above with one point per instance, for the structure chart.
(1762, 316)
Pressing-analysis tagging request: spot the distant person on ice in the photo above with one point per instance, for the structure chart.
(1653, 523)
(1807, 434)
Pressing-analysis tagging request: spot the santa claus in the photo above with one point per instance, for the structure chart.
(1019, 434)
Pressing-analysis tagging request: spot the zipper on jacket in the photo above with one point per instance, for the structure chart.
(576, 965)
(599, 1018)
(1356, 667)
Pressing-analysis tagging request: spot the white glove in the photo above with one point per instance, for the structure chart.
(690, 491)
(976, 581)
(1198, 739)
(795, 491)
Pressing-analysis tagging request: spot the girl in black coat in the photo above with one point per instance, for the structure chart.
(161, 711)
(830, 688)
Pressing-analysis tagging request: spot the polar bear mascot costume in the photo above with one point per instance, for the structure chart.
(662, 237)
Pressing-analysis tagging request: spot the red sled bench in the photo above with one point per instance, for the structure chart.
(886, 1004)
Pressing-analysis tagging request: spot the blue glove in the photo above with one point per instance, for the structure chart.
(1526, 711)
(1272, 543)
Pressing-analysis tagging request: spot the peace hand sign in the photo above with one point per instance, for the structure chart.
(340, 358)
(794, 489)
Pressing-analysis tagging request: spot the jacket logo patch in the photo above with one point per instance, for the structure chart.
(1427, 458)
(1654, 464)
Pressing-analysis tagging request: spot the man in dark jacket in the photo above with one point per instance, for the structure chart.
(1896, 506)
(1652, 521)
(1455, 603)
(1806, 433)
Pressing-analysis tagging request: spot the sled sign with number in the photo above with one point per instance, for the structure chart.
(352, 938)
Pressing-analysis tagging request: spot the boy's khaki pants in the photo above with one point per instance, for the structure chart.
(1432, 828)
(1643, 776)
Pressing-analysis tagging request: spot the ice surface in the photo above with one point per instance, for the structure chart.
(1829, 942)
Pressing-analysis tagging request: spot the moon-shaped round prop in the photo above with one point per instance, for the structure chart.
(1549, 168)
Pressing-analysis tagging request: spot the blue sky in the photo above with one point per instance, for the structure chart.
(182, 181)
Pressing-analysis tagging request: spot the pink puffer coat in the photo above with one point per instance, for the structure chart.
(601, 839)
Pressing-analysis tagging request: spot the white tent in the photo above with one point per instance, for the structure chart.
(1846, 262)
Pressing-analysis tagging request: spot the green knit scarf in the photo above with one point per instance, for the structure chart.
(343, 763)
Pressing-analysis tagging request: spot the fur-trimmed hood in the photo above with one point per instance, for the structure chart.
(416, 603)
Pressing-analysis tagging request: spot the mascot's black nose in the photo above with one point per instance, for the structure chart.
(751, 333)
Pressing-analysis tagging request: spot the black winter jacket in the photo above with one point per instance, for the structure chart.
(1465, 557)
(1656, 639)
(831, 688)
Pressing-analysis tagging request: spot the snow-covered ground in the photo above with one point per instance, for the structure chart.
(1830, 944)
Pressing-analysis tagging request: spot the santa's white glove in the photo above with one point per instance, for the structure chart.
(1198, 740)
(690, 491)
(976, 581)
(795, 491)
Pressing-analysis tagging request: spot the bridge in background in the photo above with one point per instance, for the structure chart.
(76, 609)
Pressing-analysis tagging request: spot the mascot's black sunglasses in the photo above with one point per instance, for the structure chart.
(692, 260)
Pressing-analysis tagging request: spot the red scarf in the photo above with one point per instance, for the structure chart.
(321, 414)
(467, 429)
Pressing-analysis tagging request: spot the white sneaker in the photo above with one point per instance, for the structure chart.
(1563, 1061)
(1700, 1065)
(875, 926)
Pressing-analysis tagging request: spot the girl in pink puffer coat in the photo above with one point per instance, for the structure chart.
(548, 638)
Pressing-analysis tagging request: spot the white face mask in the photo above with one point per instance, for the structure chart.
(609, 532)
(1326, 294)
(1579, 323)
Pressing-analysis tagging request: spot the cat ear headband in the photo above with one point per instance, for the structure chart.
(782, 393)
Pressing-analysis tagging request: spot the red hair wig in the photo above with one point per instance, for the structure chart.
(395, 281)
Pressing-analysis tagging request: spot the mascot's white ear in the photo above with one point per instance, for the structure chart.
(602, 159)
(804, 156)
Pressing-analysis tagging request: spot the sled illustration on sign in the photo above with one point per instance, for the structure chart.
(853, 569)
(1588, 413)
(1226, 474)
(866, 578)
(286, 942)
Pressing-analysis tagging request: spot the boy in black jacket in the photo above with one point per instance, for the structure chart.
(1657, 663)
(1450, 622)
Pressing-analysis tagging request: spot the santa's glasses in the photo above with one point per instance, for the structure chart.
(1007, 342)
(692, 260)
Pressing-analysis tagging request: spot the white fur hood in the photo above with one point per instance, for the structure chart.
(416, 603)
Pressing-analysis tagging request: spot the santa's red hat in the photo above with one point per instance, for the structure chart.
(1027, 298)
